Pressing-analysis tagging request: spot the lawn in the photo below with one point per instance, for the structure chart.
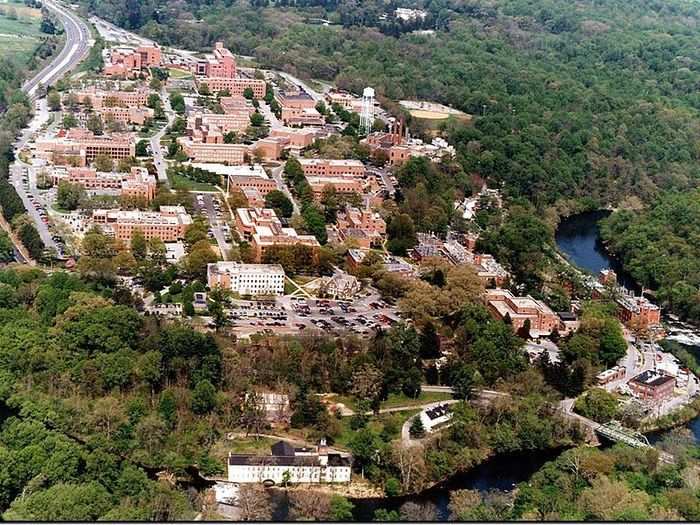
(178, 182)
(399, 400)
(389, 423)
(241, 445)
(178, 74)
(19, 30)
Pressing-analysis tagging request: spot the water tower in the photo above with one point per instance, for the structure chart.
(367, 116)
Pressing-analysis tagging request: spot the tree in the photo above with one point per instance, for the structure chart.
(462, 381)
(401, 234)
(367, 384)
(340, 508)
(279, 202)
(94, 124)
(417, 429)
(598, 405)
(142, 148)
(248, 93)
(315, 223)
(139, 245)
(257, 120)
(54, 100)
(69, 196)
(254, 503)
(309, 505)
(69, 121)
(203, 397)
(62, 502)
(104, 163)
(423, 512)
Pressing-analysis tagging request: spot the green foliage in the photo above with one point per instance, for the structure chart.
(417, 429)
(598, 405)
(279, 202)
(659, 248)
(341, 508)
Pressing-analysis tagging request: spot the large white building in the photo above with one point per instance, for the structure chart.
(247, 279)
(303, 465)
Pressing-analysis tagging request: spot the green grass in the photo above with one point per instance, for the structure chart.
(179, 73)
(376, 424)
(241, 445)
(178, 182)
(19, 36)
(399, 400)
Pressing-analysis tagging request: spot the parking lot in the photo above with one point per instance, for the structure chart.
(293, 315)
(211, 207)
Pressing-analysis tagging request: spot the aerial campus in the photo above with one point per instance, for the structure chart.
(271, 298)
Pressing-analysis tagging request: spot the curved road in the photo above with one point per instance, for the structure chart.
(76, 46)
(74, 49)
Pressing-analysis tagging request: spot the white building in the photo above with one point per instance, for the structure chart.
(297, 465)
(435, 416)
(247, 279)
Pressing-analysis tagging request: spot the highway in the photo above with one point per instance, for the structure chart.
(76, 46)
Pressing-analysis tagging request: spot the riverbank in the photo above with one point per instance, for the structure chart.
(678, 418)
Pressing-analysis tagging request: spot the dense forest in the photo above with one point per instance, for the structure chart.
(595, 102)
(660, 247)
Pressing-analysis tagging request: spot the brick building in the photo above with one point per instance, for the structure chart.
(333, 168)
(168, 224)
(137, 183)
(80, 147)
(217, 152)
(652, 386)
(504, 305)
(263, 230)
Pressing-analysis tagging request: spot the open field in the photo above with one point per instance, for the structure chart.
(19, 30)
(178, 73)
(428, 115)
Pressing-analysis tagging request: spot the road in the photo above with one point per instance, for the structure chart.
(385, 176)
(207, 205)
(282, 186)
(294, 80)
(76, 46)
(156, 147)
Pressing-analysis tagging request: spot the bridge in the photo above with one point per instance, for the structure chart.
(614, 431)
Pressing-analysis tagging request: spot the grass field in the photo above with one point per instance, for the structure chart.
(428, 115)
(19, 30)
(398, 400)
(178, 73)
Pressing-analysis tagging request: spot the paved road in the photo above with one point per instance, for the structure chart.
(282, 186)
(294, 80)
(75, 48)
(156, 148)
(385, 176)
(207, 203)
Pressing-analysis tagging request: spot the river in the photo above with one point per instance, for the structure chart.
(578, 239)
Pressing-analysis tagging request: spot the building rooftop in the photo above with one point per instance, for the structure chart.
(652, 378)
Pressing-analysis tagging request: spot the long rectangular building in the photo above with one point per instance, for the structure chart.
(247, 279)
(219, 153)
(168, 224)
(332, 168)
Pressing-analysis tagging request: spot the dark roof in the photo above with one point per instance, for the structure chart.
(438, 411)
(276, 461)
(651, 378)
(282, 448)
(567, 316)
(336, 460)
